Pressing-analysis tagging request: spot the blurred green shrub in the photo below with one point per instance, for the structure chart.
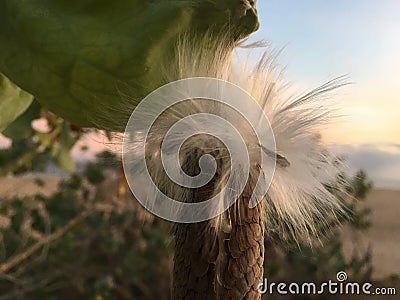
(114, 250)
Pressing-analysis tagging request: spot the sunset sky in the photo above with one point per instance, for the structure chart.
(326, 39)
(358, 38)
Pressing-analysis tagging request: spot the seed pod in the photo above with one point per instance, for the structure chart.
(78, 56)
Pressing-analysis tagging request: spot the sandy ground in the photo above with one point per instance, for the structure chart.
(26, 186)
(383, 237)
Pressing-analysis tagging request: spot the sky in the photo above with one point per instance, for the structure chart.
(322, 40)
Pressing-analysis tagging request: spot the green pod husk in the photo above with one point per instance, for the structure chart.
(76, 56)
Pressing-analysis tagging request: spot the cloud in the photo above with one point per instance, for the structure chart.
(380, 161)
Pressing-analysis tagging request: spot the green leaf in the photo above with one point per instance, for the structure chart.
(76, 56)
(13, 101)
(61, 151)
(67, 137)
(63, 159)
(21, 128)
(44, 138)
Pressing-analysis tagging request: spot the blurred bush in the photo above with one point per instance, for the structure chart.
(95, 242)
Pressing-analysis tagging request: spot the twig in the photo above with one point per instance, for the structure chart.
(12, 262)
(27, 156)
